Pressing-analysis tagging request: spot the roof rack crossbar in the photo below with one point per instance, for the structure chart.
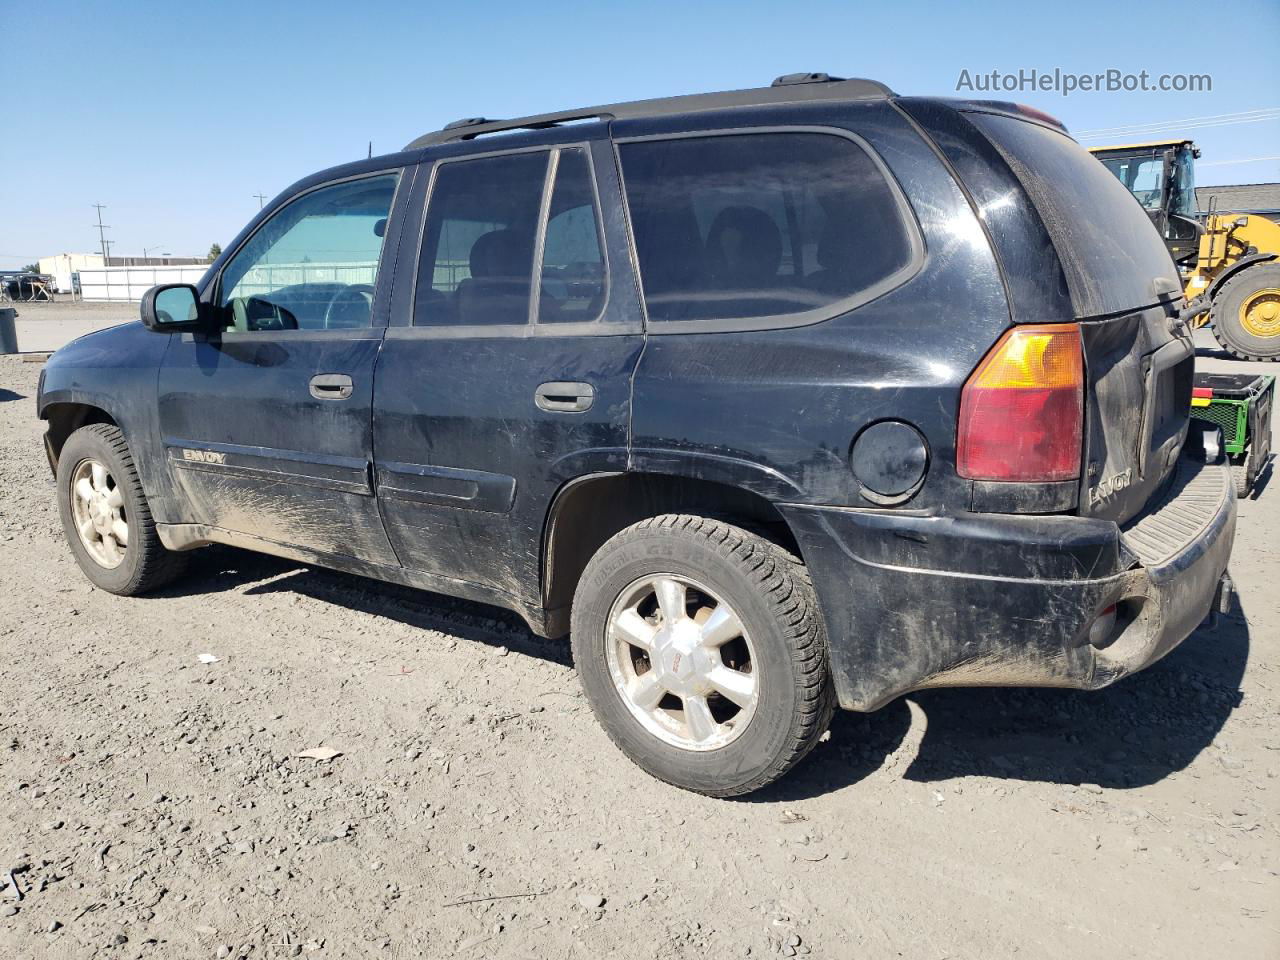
(793, 88)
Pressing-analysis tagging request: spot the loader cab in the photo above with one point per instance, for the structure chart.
(1161, 176)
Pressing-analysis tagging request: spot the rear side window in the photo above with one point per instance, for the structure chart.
(790, 227)
(573, 274)
(1109, 248)
(477, 259)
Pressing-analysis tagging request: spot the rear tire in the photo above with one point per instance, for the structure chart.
(1246, 313)
(1240, 473)
(105, 515)
(773, 666)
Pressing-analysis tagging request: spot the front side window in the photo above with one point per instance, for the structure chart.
(1184, 183)
(314, 264)
(746, 226)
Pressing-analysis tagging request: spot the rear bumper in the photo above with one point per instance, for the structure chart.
(996, 600)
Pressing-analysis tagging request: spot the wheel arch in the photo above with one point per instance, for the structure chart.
(590, 509)
(1233, 271)
(65, 417)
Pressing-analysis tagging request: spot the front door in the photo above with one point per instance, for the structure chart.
(267, 424)
(510, 372)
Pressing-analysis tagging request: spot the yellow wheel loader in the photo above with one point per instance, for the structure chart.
(1229, 262)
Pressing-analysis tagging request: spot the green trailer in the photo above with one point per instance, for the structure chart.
(1239, 403)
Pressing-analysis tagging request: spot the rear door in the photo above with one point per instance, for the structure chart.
(508, 372)
(266, 424)
(1123, 287)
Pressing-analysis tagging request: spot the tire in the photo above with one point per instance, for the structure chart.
(1257, 335)
(782, 640)
(1240, 473)
(143, 564)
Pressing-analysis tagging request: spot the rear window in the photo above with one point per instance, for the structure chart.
(1109, 248)
(770, 227)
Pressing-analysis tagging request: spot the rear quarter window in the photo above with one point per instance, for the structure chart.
(751, 230)
(1110, 251)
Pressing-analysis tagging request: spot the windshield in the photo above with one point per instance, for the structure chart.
(1142, 176)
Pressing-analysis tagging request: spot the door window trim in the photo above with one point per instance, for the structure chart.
(213, 292)
(531, 327)
(906, 215)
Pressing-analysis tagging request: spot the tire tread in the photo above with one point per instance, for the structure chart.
(158, 566)
(785, 585)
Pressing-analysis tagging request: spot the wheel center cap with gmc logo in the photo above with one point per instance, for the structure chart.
(675, 652)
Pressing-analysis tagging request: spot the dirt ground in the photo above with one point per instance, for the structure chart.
(42, 326)
(152, 805)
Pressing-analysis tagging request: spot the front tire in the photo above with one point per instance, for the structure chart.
(1246, 313)
(703, 653)
(105, 515)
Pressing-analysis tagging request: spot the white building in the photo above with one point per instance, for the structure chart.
(63, 265)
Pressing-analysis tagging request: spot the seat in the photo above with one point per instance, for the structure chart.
(744, 249)
(497, 292)
(847, 261)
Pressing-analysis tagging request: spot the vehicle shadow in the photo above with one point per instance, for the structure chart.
(7, 395)
(1263, 478)
(1212, 352)
(217, 569)
(1131, 734)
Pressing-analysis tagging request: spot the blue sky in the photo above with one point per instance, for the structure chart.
(175, 115)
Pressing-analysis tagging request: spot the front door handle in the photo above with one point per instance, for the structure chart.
(560, 396)
(331, 386)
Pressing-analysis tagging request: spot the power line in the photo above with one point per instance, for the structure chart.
(1191, 123)
(1224, 163)
(1172, 127)
(1214, 117)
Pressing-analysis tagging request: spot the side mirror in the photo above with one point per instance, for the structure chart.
(173, 306)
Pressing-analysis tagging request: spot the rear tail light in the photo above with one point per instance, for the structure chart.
(1022, 410)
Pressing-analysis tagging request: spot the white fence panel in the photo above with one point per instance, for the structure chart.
(130, 283)
(265, 277)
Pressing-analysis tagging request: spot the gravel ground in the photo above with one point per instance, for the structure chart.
(152, 805)
(42, 326)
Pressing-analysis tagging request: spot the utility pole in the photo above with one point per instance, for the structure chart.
(102, 238)
(262, 199)
(370, 150)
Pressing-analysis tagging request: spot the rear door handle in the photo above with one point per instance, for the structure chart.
(331, 386)
(561, 396)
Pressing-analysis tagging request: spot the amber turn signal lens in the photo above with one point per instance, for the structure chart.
(1022, 409)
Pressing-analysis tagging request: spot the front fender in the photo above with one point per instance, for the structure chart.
(113, 371)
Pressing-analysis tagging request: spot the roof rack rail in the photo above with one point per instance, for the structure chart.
(791, 88)
(787, 79)
(468, 122)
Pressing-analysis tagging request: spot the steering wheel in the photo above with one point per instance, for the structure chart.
(349, 307)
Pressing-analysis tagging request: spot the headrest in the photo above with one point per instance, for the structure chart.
(744, 246)
(502, 253)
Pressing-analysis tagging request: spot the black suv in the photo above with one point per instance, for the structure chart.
(774, 400)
